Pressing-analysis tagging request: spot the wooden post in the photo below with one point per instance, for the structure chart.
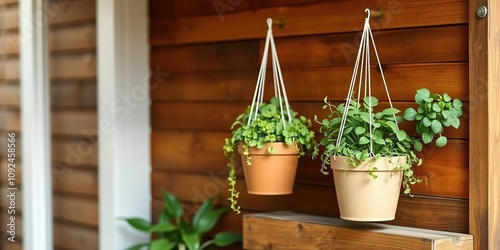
(484, 84)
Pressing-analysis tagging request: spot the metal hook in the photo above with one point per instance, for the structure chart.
(375, 13)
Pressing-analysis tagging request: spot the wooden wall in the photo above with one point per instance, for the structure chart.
(213, 55)
(74, 117)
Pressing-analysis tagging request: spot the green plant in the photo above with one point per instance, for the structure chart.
(173, 232)
(435, 112)
(267, 127)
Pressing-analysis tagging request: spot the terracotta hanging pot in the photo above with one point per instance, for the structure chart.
(270, 174)
(363, 198)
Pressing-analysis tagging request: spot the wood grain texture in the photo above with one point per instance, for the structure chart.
(202, 153)
(169, 10)
(66, 236)
(286, 230)
(58, 13)
(485, 129)
(304, 20)
(479, 154)
(76, 181)
(313, 84)
(66, 122)
(418, 45)
(207, 116)
(419, 211)
(62, 67)
(423, 45)
(205, 57)
(494, 125)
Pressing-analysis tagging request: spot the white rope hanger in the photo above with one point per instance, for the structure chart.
(279, 85)
(362, 68)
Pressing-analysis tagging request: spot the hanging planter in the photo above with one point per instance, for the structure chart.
(269, 137)
(369, 154)
(270, 173)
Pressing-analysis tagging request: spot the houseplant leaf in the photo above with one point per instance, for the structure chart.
(172, 206)
(162, 244)
(208, 220)
(223, 239)
(138, 246)
(163, 227)
(441, 141)
(140, 224)
(193, 241)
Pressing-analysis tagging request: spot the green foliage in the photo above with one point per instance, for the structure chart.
(267, 127)
(435, 112)
(175, 233)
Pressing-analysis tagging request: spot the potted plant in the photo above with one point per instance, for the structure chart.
(361, 144)
(270, 146)
(174, 232)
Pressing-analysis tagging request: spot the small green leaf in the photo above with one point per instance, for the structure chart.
(139, 224)
(193, 241)
(363, 140)
(455, 122)
(441, 141)
(223, 239)
(457, 103)
(401, 135)
(270, 149)
(172, 205)
(418, 146)
(380, 141)
(162, 244)
(409, 114)
(138, 246)
(446, 114)
(359, 130)
(163, 227)
(390, 111)
(446, 97)
(436, 107)
(436, 126)
(422, 95)
(427, 137)
(419, 117)
(426, 122)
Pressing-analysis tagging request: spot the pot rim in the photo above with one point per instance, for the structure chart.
(280, 148)
(383, 164)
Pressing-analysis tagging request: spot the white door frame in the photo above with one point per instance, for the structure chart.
(35, 126)
(123, 120)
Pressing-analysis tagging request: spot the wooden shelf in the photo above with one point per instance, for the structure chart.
(288, 230)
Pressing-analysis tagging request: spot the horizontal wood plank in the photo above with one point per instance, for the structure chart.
(424, 45)
(224, 56)
(308, 84)
(62, 67)
(287, 230)
(63, 94)
(58, 13)
(78, 181)
(315, 18)
(168, 10)
(66, 236)
(80, 94)
(72, 209)
(418, 211)
(9, 95)
(207, 116)
(67, 153)
(67, 122)
(444, 171)
(5, 2)
(62, 39)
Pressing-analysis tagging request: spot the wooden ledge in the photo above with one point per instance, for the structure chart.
(288, 230)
